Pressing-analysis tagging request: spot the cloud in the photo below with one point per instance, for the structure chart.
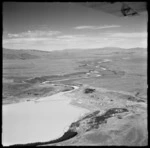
(13, 35)
(63, 41)
(23, 40)
(84, 27)
(70, 36)
(34, 34)
(129, 35)
(28, 38)
(97, 27)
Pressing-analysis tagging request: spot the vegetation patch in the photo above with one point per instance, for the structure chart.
(93, 120)
(89, 90)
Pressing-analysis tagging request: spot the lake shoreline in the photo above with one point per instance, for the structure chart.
(64, 101)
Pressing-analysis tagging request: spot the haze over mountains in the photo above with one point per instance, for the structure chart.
(34, 54)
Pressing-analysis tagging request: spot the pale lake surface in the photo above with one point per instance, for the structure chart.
(39, 121)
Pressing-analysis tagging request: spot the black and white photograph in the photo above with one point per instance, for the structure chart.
(74, 73)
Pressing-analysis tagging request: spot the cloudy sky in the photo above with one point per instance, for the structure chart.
(57, 26)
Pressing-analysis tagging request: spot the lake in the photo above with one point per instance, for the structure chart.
(40, 121)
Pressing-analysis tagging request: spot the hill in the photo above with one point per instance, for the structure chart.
(19, 54)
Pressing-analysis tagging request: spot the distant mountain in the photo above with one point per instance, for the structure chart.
(62, 54)
(138, 48)
(11, 54)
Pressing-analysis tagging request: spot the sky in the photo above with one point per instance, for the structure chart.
(56, 26)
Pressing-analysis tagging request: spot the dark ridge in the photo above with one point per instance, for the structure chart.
(102, 119)
(36, 80)
(94, 121)
(67, 135)
(52, 78)
(110, 113)
(77, 123)
(89, 90)
(114, 111)
(67, 89)
(91, 115)
(140, 101)
(131, 98)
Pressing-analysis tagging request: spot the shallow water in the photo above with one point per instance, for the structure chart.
(39, 121)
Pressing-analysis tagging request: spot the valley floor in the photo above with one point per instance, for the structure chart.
(112, 86)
